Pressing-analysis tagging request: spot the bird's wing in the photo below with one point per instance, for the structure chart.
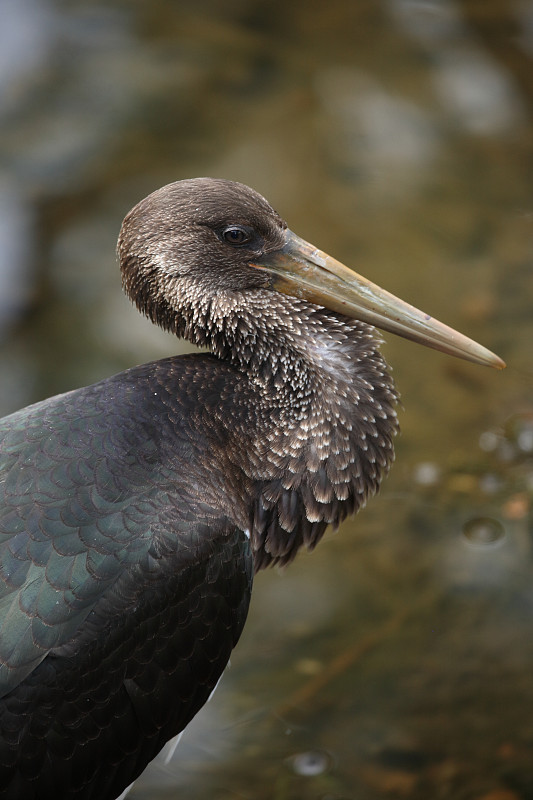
(83, 493)
(65, 529)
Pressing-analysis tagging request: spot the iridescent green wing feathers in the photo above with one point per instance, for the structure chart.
(68, 523)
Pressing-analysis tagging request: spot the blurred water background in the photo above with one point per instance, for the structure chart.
(397, 660)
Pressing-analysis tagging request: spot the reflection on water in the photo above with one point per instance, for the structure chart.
(396, 660)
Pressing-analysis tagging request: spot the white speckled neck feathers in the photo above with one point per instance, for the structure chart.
(320, 437)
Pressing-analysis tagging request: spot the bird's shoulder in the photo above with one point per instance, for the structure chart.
(95, 484)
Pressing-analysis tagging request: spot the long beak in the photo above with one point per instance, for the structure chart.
(300, 270)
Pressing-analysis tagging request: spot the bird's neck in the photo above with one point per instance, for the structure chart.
(269, 336)
(314, 412)
(311, 420)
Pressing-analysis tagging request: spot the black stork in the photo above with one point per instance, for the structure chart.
(134, 512)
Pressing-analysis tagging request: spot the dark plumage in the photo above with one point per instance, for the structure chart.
(133, 512)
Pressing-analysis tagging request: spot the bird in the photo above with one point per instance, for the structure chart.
(135, 512)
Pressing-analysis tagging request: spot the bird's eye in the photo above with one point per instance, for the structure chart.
(235, 235)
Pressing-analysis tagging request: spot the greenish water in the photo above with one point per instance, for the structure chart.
(396, 660)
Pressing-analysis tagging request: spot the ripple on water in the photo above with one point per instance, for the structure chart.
(483, 531)
(311, 763)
